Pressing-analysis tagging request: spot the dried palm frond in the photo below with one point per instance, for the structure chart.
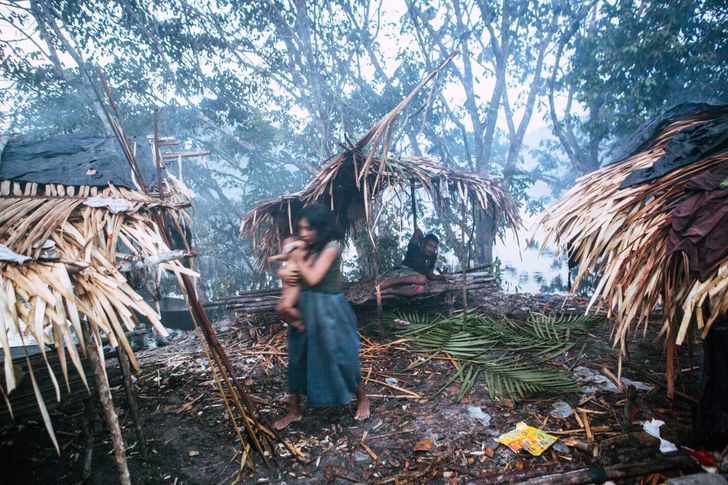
(510, 354)
(623, 233)
(51, 297)
(335, 186)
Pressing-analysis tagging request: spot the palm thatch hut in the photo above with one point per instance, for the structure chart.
(77, 213)
(348, 186)
(351, 181)
(656, 223)
(71, 213)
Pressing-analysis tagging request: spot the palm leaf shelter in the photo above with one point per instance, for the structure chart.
(78, 214)
(654, 226)
(358, 183)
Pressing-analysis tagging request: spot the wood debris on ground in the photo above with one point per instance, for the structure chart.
(181, 412)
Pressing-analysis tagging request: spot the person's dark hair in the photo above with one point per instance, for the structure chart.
(322, 220)
(431, 237)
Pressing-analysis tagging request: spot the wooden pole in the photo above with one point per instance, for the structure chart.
(377, 287)
(157, 155)
(463, 263)
(599, 474)
(107, 405)
(131, 398)
(414, 205)
(88, 430)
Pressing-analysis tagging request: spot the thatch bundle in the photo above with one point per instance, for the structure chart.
(49, 298)
(349, 183)
(650, 222)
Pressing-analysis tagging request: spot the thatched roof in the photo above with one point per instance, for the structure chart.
(654, 224)
(69, 240)
(342, 186)
(349, 183)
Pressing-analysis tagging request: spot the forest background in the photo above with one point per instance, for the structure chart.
(540, 93)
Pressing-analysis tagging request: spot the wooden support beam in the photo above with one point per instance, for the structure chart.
(600, 474)
(184, 154)
(107, 405)
(131, 399)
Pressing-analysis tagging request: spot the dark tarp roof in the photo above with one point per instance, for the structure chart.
(74, 159)
(694, 143)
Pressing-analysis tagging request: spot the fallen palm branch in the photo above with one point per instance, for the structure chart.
(639, 223)
(509, 354)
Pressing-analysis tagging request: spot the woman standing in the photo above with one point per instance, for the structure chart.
(323, 358)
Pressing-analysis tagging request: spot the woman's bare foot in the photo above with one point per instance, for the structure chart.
(289, 418)
(294, 413)
(362, 408)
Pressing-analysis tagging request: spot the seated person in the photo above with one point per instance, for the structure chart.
(416, 269)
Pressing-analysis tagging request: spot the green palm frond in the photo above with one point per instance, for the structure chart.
(512, 355)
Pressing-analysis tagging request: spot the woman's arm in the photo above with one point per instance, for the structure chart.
(314, 274)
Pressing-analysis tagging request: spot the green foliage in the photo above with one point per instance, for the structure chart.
(389, 253)
(512, 355)
(636, 59)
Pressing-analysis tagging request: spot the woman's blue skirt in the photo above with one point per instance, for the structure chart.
(323, 360)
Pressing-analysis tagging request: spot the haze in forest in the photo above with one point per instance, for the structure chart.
(539, 93)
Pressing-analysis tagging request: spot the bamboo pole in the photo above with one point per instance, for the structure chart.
(463, 263)
(189, 287)
(116, 125)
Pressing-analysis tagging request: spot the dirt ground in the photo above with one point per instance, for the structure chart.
(413, 436)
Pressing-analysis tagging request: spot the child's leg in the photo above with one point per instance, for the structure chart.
(287, 307)
(294, 315)
(283, 300)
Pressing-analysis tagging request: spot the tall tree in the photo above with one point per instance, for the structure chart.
(624, 61)
(500, 73)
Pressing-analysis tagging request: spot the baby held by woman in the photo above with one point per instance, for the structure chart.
(292, 255)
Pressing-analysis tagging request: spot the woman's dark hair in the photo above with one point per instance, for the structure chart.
(322, 220)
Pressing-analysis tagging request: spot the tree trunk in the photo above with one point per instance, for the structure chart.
(45, 17)
(484, 238)
(594, 138)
